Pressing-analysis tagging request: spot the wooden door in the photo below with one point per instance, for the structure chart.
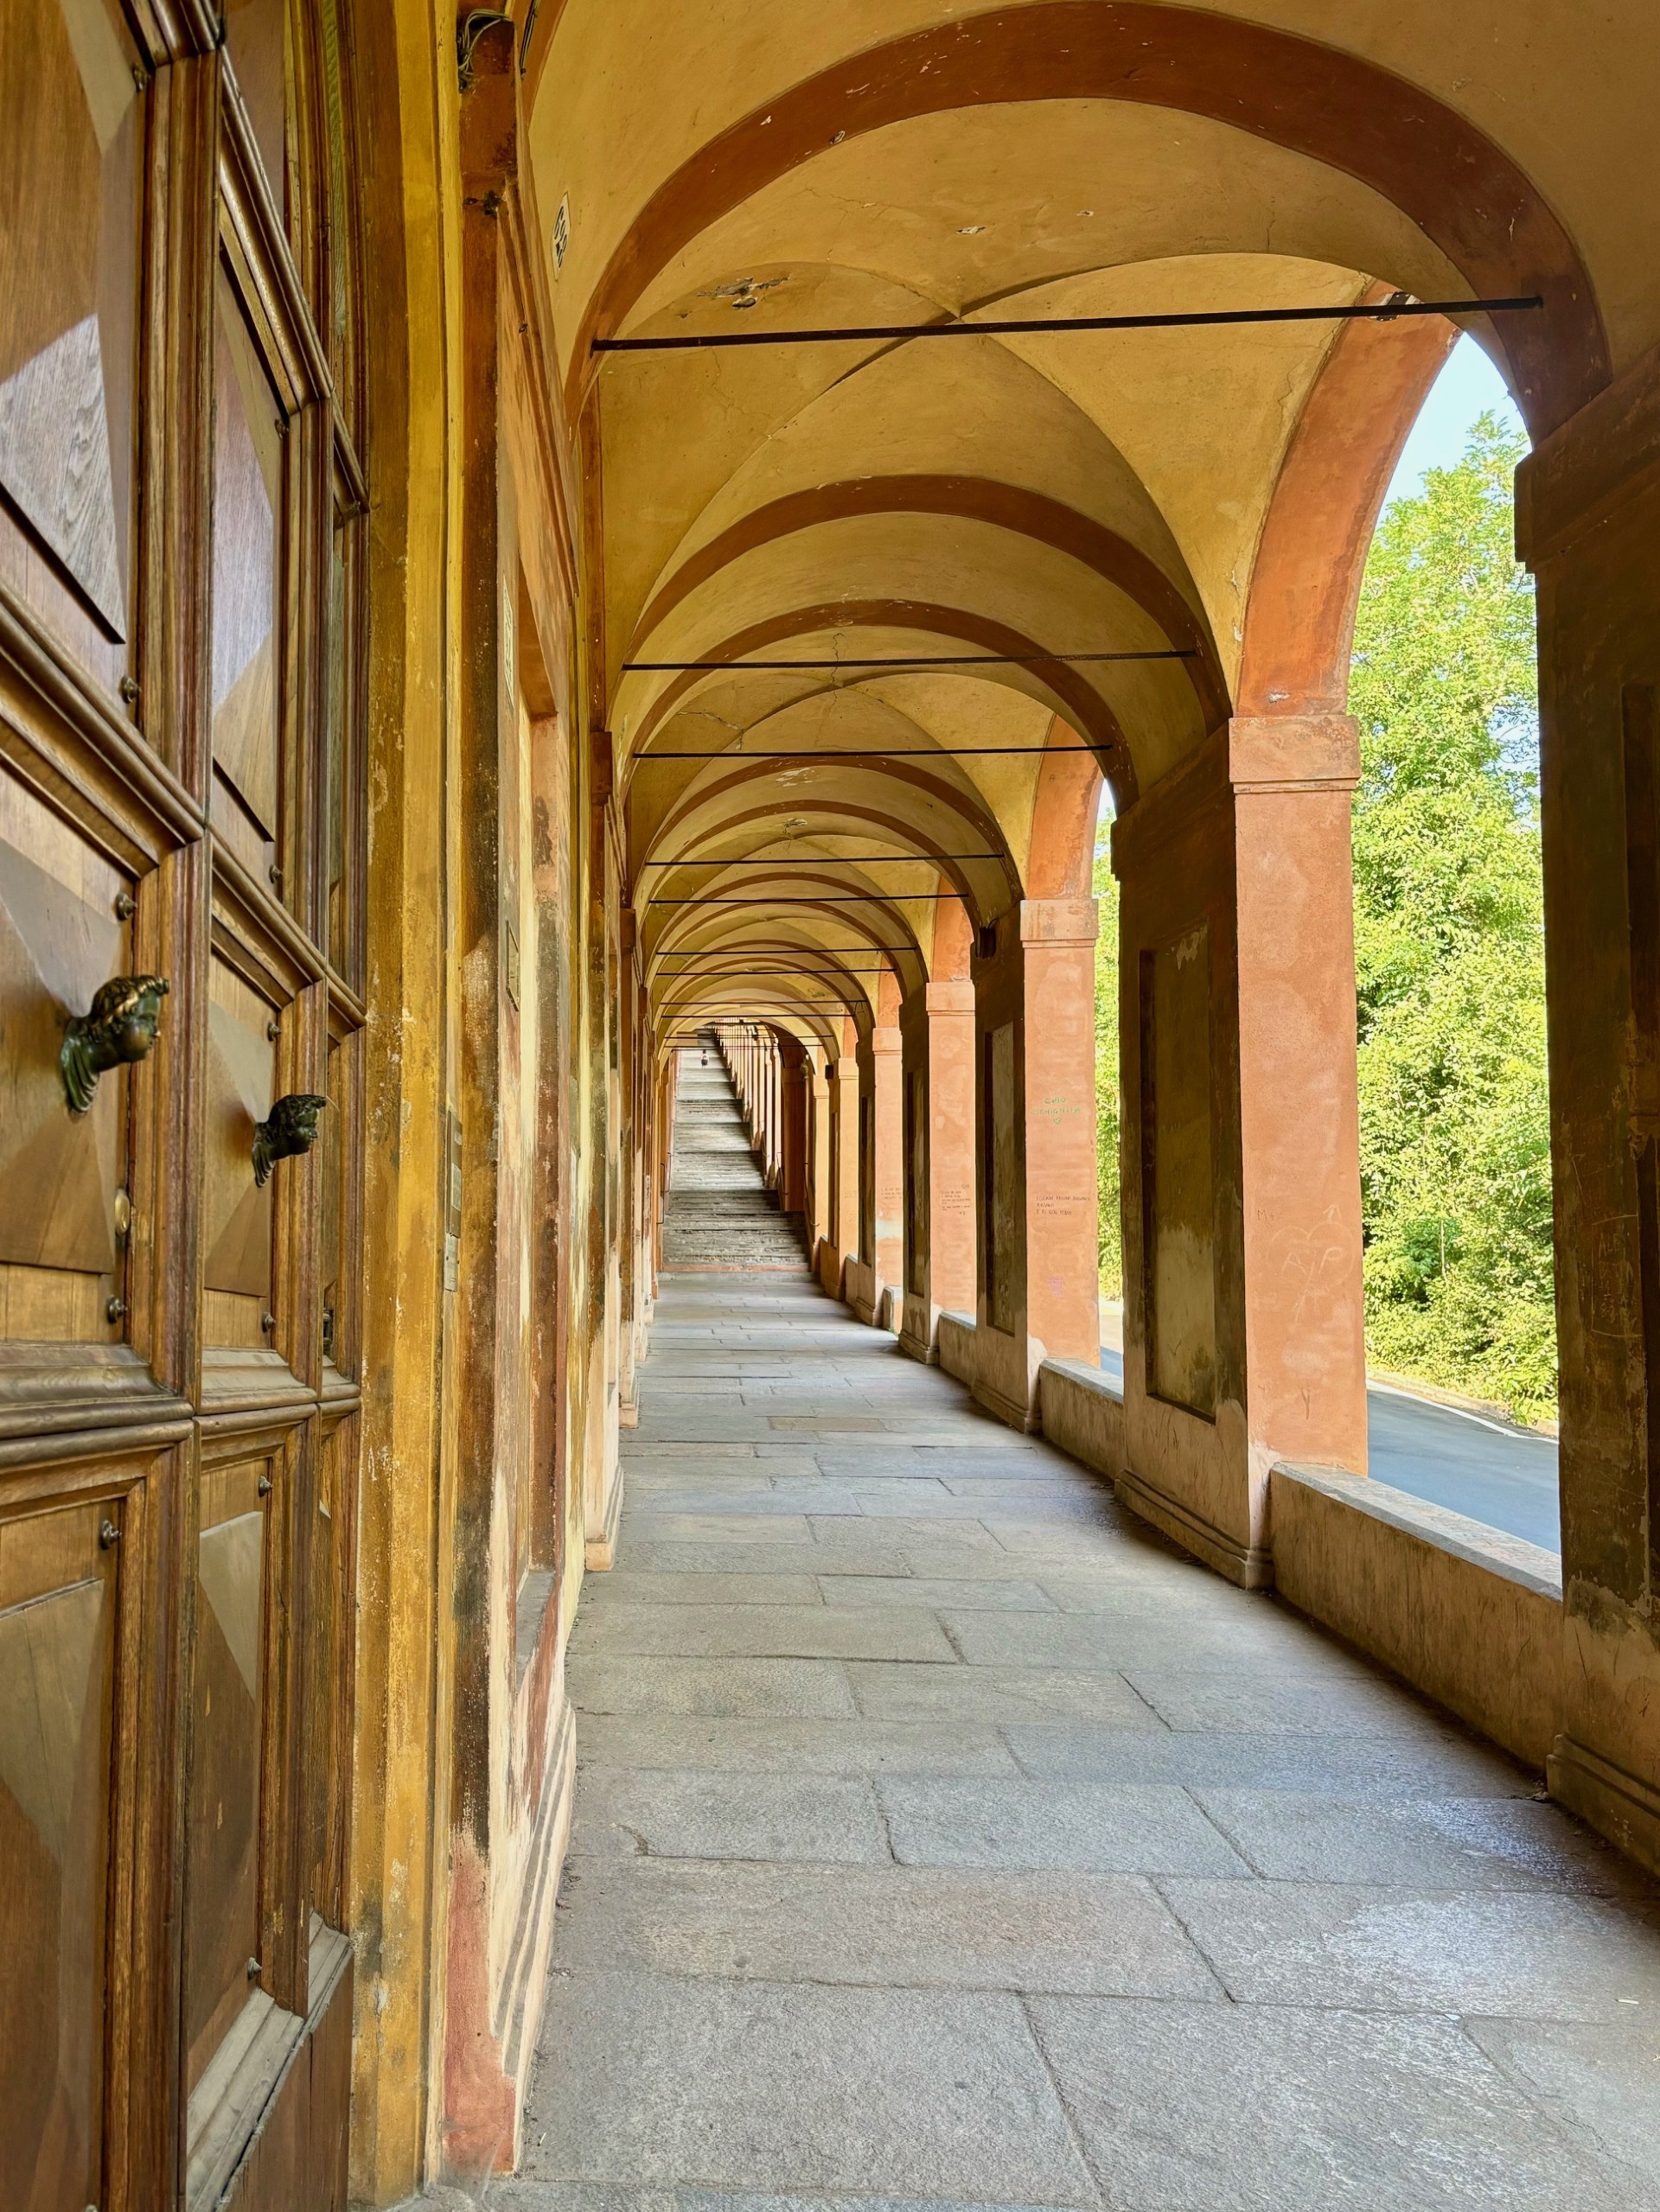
(181, 970)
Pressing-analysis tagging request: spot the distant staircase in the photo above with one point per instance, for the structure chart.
(719, 1212)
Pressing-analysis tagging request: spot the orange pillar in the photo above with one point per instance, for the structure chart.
(1035, 1145)
(938, 1028)
(882, 1192)
(843, 1245)
(1244, 1335)
(792, 1127)
(818, 1103)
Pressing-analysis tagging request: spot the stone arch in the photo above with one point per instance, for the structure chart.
(1462, 191)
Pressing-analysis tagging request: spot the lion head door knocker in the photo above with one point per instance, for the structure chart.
(290, 1128)
(121, 1027)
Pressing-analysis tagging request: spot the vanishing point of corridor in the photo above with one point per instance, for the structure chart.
(943, 1837)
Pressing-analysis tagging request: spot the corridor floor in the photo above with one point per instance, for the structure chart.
(942, 1838)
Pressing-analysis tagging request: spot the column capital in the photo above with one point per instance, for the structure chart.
(1294, 752)
(886, 1040)
(953, 995)
(1059, 922)
(1591, 465)
(846, 1069)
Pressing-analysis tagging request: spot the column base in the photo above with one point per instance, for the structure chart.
(862, 1293)
(1622, 1805)
(1250, 1566)
(1027, 1419)
(599, 1551)
(493, 2030)
(919, 1325)
(1006, 1377)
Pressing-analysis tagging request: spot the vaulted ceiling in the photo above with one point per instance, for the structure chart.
(720, 167)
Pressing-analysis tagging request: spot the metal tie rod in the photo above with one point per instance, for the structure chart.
(1193, 319)
(829, 860)
(776, 952)
(916, 661)
(827, 898)
(819, 758)
(740, 968)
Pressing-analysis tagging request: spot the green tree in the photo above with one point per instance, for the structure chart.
(1455, 1167)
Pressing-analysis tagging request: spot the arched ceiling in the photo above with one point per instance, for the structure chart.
(727, 168)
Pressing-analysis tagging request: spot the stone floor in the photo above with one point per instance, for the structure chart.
(945, 1839)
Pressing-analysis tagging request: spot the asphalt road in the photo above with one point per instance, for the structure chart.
(1504, 1477)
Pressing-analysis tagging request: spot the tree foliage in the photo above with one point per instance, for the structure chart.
(1449, 949)
(1449, 944)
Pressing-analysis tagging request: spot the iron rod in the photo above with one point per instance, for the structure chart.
(874, 753)
(829, 859)
(1189, 319)
(829, 898)
(722, 951)
(920, 661)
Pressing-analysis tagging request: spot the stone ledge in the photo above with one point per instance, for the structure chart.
(1469, 1615)
(956, 1346)
(1083, 1413)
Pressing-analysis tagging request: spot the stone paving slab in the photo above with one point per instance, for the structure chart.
(1186, 2108)
(718, 1586)
(1234, 1692)
(1355, 1767)
(625, 1812)
(1100, 1934)
(861, 1554)
(789, 1494)
(1442, 1843)
(1096, 1827)
(998, 1694)
(938, 1592)
(1181, 1641)
(620, 1682)
(1600, 2084)
(645, 2078)
(821, 1746)
(519, 2196)
(1538, 1957)
(812, 1630)
(649, 1525)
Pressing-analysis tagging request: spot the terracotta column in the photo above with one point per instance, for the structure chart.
(773, 1110)
(1037, 1294)
(1588, 526)
(763, 1103)
(818, 1089)
(792, 1127)
(881, 1191)
(938, 1032)
(843, 1245)
(1244, 1337)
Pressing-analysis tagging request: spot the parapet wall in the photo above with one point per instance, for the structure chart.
(1470, 1616)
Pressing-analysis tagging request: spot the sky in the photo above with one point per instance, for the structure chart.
(1466, 387)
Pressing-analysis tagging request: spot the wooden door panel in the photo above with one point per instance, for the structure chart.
(256, 40)
(247, 505)
(57, 1640)
(59, 1172)
(334, 1238)
(236, 1211)
(327, 1682)
(69, 208)
(227, 1700)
